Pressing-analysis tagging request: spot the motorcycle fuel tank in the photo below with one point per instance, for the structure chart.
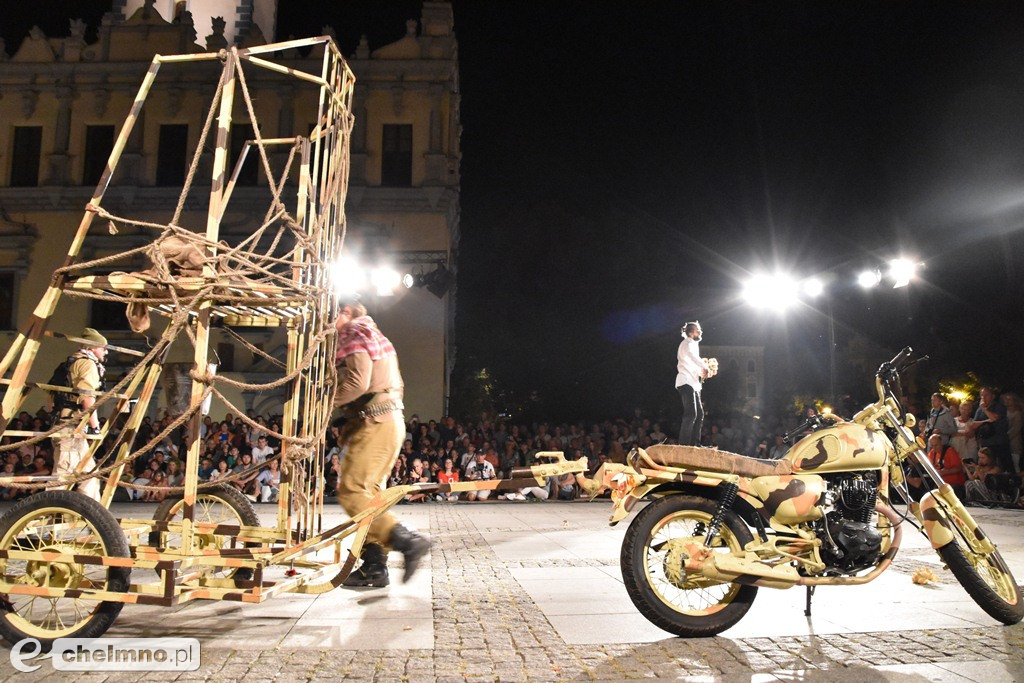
(845, 447)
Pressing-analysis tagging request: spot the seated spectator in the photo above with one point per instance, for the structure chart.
(540, 492)
(479, 470)
(333, 472)
(566, 484)
(205, 469)
(262, 451)
(8, 492)
(159, 479)
(417, 474)
(141, 480)
(221, 471)
(175, 477)
(39, 467)
(269, 482)
(976, 488)
(448, 475)
(247, 483)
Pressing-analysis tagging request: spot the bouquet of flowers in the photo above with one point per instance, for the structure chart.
(712, 364)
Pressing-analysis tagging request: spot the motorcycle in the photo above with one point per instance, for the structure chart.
(720, 525)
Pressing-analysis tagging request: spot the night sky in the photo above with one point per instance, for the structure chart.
(627, 165)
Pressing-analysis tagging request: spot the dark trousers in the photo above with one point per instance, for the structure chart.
(693, 416)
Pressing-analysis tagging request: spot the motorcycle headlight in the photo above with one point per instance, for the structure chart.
(909, 421)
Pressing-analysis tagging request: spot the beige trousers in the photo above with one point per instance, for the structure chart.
(370, 455)
(70, 452)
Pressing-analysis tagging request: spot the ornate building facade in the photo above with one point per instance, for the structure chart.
(64, 100)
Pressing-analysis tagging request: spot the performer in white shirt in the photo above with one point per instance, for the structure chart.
(691, 370)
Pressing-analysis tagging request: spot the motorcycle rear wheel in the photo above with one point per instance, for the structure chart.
(986, 578)
(694, 607)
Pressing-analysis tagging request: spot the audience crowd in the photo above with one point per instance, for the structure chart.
(977, 444)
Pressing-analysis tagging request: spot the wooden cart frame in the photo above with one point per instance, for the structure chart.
(64, 553)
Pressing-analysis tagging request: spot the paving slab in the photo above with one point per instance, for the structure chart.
(533, 592)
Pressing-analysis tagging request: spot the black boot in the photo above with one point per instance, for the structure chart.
(412, 545)
(373, 572)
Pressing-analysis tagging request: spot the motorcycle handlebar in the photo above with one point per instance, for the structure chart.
(897, 361)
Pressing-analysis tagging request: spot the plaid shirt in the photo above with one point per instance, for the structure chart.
(361, 335)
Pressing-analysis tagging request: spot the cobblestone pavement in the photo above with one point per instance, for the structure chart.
(487, 628)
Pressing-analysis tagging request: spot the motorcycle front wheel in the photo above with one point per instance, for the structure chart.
(985, 577)
(688, 606)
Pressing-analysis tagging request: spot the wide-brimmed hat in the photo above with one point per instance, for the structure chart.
(91, 335)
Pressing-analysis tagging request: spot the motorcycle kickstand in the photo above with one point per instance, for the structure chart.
(810, 594)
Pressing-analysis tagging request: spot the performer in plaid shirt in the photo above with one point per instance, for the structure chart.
(370, 392)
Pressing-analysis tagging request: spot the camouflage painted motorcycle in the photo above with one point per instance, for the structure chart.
(722, 525)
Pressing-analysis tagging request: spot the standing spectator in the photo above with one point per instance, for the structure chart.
(947, 462)
(691, 371)
(990, 428)
(963, 441)
(1013, 427)
(940, 421)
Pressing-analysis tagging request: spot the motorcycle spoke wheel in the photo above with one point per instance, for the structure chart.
(985, 577)
(688, 595)
(653, 569)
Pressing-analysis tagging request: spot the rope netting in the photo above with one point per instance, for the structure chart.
(282, 269)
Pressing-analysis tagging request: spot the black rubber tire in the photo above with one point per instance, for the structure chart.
(115, 544)
(980, 591)
(228, 495)
(643, 595)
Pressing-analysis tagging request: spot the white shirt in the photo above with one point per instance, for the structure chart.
(689, 365)
(260, 455)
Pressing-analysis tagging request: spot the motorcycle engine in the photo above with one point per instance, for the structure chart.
(850, 541)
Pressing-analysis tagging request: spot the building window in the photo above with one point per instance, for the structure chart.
(396, 156)
(240, 134)
(170, 155)
(99, 140)
(751, 389)
(108, 315)
(7, 312)
(225, 357)
(751, 366)
(27, 146)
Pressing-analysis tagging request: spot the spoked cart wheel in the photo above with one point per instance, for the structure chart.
(216, 505)
(69, 523)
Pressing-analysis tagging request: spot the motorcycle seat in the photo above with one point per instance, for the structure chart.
(710, 459)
